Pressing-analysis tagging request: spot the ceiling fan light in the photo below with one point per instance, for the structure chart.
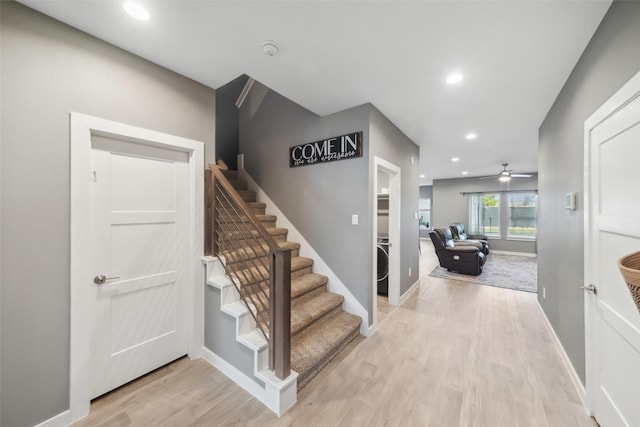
(504, 178)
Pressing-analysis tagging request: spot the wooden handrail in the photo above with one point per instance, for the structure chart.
(279, 266)
(239, 201)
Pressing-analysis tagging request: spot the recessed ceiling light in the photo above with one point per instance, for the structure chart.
(270, 48)
(421, 176)
(454, 78)
(455, 159)
(471, 136)
(465, 173)
(137, 11)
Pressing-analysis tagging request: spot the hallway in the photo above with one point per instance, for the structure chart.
(454, 354)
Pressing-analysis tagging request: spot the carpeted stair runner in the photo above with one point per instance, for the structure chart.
(320, 329)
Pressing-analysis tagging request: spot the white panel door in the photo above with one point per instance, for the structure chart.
(139, 240)
(613, 230)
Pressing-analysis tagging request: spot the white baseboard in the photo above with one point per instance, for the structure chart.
(513, 253)
(61, 420)
(351, 304)
(575, 379)
(370, 330)
(279, 401)
(410, 291)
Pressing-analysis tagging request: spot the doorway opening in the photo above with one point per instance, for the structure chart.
(386, 237)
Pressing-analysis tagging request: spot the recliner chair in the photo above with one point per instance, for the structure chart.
(465, 259)
(461, 237)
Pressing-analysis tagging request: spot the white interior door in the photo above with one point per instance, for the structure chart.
(612, 142)
(139, 242)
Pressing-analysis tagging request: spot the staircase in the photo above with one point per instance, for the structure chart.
(320, 329)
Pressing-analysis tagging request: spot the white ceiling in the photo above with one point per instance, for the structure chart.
(515, 56)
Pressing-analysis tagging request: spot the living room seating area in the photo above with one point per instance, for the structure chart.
(461, 237)
(457, 256)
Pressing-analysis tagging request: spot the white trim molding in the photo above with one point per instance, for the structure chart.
(279, 401)
(278, 395)
(395, 180)
(410, 292)
(82, 128)
(61, 420)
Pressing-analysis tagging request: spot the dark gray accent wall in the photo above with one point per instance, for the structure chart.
(318, 199)
(49, 70)
(609, 61)
(227, 116)
(389, 143)
(450, 206)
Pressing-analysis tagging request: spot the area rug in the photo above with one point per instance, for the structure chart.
(504, 271)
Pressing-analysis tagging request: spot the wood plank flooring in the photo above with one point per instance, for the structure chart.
(455, 354)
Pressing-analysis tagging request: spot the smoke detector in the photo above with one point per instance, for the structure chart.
(270, 48)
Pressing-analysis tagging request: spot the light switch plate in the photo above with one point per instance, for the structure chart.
(354, 219)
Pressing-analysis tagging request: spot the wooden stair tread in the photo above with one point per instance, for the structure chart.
(306, 310)
(318, 344)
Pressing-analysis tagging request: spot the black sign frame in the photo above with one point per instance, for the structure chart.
(341, 147)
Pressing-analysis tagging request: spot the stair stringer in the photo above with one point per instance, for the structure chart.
(335, 285)
(278, 395)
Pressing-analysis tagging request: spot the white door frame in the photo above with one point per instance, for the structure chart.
(629, 92)
(82, 127)
(395, 180)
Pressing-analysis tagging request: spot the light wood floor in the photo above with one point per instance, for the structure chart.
(455, 354)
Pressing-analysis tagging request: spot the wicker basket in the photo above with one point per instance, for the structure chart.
(629, 266)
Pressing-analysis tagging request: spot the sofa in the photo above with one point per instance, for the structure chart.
(465, 259)
(461, 237)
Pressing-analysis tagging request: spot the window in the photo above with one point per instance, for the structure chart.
(522, 215)
(484, 214)
(424, 211)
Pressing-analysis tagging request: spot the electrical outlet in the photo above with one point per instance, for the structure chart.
(544, 293)
(409, 271)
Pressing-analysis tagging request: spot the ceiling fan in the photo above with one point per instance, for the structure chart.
(505, 174)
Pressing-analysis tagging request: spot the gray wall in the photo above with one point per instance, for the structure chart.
(609, 61)
(220, 336)
(227, 116)
(450, 206)
(48, 70)
(389, 143)
(320, 199)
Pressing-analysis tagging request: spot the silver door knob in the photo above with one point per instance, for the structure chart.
(591, 289)
(101, 278)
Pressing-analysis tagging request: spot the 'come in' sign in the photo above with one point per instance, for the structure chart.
(336, 148)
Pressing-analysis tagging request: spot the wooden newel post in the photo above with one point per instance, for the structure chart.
(280, 313)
